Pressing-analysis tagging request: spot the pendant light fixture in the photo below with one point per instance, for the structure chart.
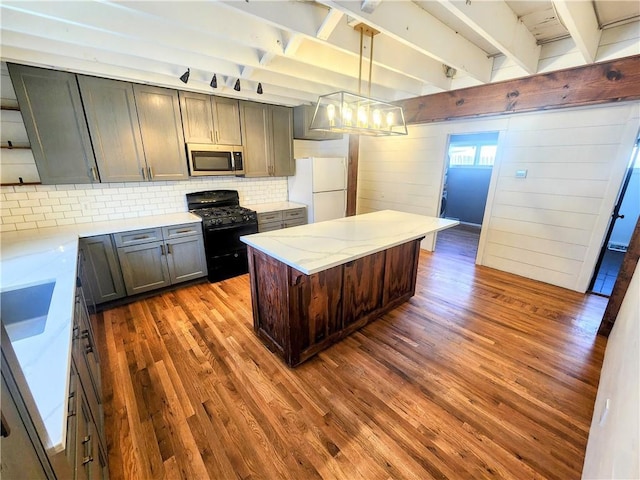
(345, 112)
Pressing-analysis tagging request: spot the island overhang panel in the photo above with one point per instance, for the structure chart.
(315, 284)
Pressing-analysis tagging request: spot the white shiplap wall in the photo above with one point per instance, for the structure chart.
(548, 226)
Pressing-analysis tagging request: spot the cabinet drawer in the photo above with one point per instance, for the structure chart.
(267, 227)
(267, 217)
(294, 223)
(137, 237)
(184, 230)
(298, 213)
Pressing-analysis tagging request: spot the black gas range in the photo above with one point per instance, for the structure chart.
(224, 221)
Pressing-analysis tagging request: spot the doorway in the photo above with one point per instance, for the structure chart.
(623, 220)
(469, 164)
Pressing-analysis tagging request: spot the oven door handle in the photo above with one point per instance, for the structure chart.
(230, 227)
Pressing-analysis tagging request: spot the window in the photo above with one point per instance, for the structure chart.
(475, 150)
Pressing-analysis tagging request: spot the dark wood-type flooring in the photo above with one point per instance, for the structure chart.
(482, 374)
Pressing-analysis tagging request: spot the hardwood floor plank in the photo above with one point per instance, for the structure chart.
(482, 374)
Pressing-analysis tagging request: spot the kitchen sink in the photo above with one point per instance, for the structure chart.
(24, 310)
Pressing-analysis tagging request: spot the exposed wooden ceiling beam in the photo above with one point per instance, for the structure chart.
(496, 23)
(614, 81)
(581, 21)
(409, 24)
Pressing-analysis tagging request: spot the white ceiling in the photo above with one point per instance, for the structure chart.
(301, 49)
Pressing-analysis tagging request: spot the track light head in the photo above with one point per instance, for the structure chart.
(214, 81)
(236, 87)
(185, 76)
(259, 91)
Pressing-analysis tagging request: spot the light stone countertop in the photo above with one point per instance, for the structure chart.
(275, 206)
(316, 247)
(36, 256)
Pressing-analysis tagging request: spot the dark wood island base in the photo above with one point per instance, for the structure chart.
(298, 315)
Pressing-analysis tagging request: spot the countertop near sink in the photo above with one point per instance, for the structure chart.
(36, 256)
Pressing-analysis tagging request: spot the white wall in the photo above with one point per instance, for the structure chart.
(548, 226)
(614, 437)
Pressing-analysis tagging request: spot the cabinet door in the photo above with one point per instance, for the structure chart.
(113, 124)
(144, 267)
(84, 457)
(186, 258)
(256, 139)
(197, 117)
(161, 130)
(226, 121)
(302, 117)
(53, 117)
(282, 137)
(101, 268)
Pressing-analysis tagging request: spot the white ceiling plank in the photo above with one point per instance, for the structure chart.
(414, 27)
(76, 36)
(292, 16)
(88, 67)
(102, 59)
(580, 19)
(497, 24)
(369, 6)
(292, 45)
(329, 24)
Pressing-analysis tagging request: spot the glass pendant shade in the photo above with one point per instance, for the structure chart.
(346, 112)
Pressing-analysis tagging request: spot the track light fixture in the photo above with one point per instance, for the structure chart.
(185, 76)
(259, 91)
(214, 81)
(236, 87)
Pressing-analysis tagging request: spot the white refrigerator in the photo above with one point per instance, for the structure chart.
(321, 184)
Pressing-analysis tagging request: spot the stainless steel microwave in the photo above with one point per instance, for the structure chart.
(208, 159)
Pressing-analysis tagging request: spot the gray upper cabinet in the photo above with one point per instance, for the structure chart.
(113, 124)
(302, 116)
(256, 139)
(161, 129)
(210, 119)
(282, 134)
(267, 134)
(52, 111)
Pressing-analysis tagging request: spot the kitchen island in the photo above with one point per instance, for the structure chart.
(314, 284)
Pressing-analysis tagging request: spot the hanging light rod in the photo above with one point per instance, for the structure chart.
(351, 113)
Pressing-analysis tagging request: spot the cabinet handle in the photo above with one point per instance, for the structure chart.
(212, 136)
(217, 137)
(185, 231)
(86, 439)
(88, 349)
(84, 334)
(169, 250)
(94, 175)
(86, 460)
(150, 173)
(141, 237)
(143, 174)
(162, 250)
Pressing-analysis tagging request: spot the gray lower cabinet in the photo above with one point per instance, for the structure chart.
(267, 138)
(102, 276)
(278, 219)
(56, 126)
(155, 258)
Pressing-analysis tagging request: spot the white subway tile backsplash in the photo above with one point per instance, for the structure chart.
(26, 225)
(21, 211)
(50, 205)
